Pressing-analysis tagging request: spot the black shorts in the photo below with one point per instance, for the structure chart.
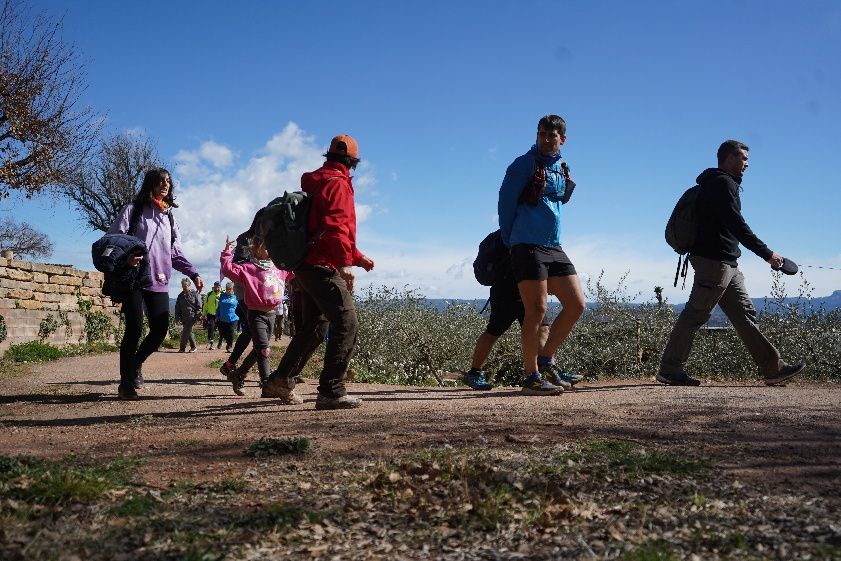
(506, 307)
(536, 262)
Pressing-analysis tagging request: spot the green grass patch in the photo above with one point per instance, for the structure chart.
(216, 363)
(629, 458)
(33, 351)
(136, 505)
(279, 516)
(45, 482)
(188, 443)
(83, 349)
(268, 446)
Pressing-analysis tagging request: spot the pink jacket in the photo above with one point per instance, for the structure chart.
(263, 287)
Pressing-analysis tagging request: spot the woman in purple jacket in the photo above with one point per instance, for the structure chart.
(148, 218)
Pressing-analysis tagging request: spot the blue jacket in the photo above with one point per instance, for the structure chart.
(226, 312)
(523, 223)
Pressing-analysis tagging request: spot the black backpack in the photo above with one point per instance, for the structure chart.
(491, 259)
(282, 224)
(682, 228)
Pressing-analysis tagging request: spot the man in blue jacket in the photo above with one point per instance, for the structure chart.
(535, 187)
(718, 280)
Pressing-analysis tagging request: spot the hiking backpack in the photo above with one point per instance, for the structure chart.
(682, 229)
(283, 226)
(491, 259)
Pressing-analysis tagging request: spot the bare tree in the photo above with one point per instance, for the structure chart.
(44, 136)
(111, 179)
(24, 240)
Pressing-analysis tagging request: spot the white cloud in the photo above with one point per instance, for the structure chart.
(217, 198)
(363, 212)
(219, 156)
(444, 271)
(204, 163)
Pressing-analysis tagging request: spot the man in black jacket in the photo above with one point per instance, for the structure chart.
(721, 228)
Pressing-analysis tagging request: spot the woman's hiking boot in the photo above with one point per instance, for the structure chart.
(126, 392)
(138, 378)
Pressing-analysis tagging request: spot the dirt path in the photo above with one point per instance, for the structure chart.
(189, 425)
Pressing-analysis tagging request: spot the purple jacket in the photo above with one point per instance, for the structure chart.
(155, 230)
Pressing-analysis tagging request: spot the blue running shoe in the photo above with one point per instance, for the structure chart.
(558, 376)
(475, 378)
(534, 384)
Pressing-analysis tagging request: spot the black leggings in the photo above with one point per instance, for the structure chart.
(132, 357)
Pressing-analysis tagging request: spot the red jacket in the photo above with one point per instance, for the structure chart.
(332, 220)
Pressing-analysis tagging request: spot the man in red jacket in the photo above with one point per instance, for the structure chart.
(326, 283)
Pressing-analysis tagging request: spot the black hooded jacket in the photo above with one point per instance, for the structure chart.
(721, 226)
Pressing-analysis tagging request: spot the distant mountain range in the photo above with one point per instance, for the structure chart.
(763, 305)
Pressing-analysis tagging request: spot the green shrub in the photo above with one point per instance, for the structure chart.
(403, 340)
(98, 327)
(3, 333)
(33, 351)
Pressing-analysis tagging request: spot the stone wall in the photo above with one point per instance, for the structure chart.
(29, 292)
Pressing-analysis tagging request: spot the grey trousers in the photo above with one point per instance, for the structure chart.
(261, 325)
(718, 283)
(187, 335)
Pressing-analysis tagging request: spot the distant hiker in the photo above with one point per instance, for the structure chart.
(262, 285)
(211, 303)
(718, 280)
(226, 316)
(148, 217)
(325, 280)
(535, 187)
(187, 311)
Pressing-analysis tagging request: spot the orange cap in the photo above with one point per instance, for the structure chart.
(344, 145)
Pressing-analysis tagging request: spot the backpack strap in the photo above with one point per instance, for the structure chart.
(682, 273)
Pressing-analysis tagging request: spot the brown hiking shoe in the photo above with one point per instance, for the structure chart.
(344, 402)
(276, 388)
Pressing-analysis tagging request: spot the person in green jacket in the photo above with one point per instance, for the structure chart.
(208, 311)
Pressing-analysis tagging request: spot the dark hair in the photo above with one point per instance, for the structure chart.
(349, 162)
(729, 147)
(151, 180)
(553, 122)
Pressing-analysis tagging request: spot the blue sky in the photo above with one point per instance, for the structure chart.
(243, 97)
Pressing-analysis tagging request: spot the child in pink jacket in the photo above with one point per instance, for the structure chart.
(263, 285)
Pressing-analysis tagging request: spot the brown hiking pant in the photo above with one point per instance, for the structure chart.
(325, 301)
(718, 283)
